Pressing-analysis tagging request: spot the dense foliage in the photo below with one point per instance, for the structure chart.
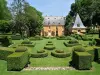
(89, 11)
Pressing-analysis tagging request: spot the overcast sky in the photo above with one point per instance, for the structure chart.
(51, 7)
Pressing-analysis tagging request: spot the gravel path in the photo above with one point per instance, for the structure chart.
(48, 68)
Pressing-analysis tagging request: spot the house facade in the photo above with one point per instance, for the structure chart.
(53, 26)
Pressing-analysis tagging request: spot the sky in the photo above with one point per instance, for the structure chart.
(51, 7)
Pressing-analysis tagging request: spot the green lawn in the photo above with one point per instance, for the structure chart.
(50, 60)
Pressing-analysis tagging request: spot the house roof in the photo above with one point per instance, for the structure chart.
(78, 22)
(54, 20)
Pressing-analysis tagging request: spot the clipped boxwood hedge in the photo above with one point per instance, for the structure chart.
(28, 45)
(97, 54)
(91, 51)
(73, 41)
(49, 47)
(17, 61)
(70, 45)
(60, 55)
(79, 49)
(21, 49)
(82, 60)
(39, 55)
(97, 42)
(40, 51)
(26, 42)
(4, 52)
(16, 37)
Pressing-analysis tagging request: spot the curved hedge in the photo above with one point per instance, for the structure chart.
(26, 42)
(79, 49)
(21, 49)
(60, 55)
(73, 41)
(41, 51)
(4, 52)
(39, 55)
(70, 45)
(49, 47)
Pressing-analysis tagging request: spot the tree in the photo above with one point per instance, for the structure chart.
(4, 11)
(34, 20)
(18, 14)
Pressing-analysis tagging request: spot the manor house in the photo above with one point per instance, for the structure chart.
(53, 26)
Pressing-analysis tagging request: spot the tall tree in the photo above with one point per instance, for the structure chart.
(4, 11)
(34, 20)
(18, 14)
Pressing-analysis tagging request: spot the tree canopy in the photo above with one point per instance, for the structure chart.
(89, 11)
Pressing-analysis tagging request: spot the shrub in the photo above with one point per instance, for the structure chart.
(26, 42)
(21, 49)
(97, 42)
(82, 60)
(60, 55)
(93, 42)
(68, 38)
(70, 45)
(16, 37)
(17, 61)
(4, 52)
(73, 41)
(49, 47)
(39, 55)
(49, 44)
(49, 41)
(13, 46)
(41, 51)
(79, 49)
(5, 41)
(97, 54)
(28, 45)
(59, 51)
(91, 51)
(37, 37)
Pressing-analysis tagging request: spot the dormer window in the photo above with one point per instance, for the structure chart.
(55, 18)
(78, 25)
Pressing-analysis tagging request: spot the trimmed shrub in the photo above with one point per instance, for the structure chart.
(49, 47)
(82, 60)
(39, 55)
(4, 52)
(73, 41)
(59, 51)
(60, 55)
(49, 41)
(97, 42)
(41, 51)
(97, 54)
(37, 37)
(16, 37)
(13, 46)
(91, 51)
(70, 45)
(49, 44)
(79, 49)
(5, 41)
(28, 45)
(17, 61)
(21, 49)
(92, 43)
(26, 42)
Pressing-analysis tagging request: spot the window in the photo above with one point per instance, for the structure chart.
(78, 25)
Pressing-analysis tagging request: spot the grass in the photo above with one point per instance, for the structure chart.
(50, 60)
